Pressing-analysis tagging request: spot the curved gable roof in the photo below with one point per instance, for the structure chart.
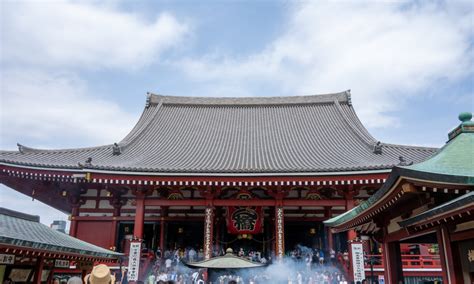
(306, 134)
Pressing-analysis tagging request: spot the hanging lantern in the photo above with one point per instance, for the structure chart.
(312, 231)
(180, 230)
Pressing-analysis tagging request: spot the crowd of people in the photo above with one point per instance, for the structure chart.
(301, 265)
(295, 277)
(308, 266)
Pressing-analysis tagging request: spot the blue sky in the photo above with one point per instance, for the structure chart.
(75, 73)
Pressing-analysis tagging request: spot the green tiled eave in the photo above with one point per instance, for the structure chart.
(27, 232)
(456, 158)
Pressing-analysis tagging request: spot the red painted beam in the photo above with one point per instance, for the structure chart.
(182, 202)
(131, 218)
(305, 202)
(241, 202)
(305, 219)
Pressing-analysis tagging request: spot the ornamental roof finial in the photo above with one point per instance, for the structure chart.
(88, 163)
(116, 150)
(403, 162)
(148, 99)
(466, 126)
(349, 99)
(378, 148)
(465, 117)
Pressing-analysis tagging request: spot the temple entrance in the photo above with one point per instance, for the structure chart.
(304, 234)
(151, 234)
(177, 235)
(248, 243)
(261, 243)
(184, 235)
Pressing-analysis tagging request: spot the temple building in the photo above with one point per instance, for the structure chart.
(212, 173)
(428, 202)
(30, 252)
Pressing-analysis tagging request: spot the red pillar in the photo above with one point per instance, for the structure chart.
(162, 235)
(74, 214)
(351, 234)
(139, 216)
(218, 232)
(208, 231)
(446, 255)
(392, 262)
(279, 233)
(38, 269)
(328, 215)
(113, 232)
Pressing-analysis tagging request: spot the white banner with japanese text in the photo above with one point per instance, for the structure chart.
(358, 261)
(134, 261)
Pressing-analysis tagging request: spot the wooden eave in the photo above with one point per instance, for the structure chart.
(50, 254)
(456, 216)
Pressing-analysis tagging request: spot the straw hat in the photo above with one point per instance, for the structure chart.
(100, 275)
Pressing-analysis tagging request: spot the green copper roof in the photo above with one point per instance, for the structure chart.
(23, 230)
(455, 158)
(454, 163)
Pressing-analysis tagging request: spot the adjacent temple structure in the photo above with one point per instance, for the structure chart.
(218, 172)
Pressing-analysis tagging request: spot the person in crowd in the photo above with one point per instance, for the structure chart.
(162, 277)
(241, 252)
(158, 253)
(74, 280)
(192, 255)
(168, 263)
(332, 255)
(200, 254)
(151, 278)
(321, 257)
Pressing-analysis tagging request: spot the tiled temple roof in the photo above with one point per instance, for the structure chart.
(306, 134)
(22, 230)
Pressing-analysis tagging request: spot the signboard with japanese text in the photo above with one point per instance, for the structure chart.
(358, 261)
(134, 260)
(7, 259)
(466, 250)
(244, 220)
(61, 263)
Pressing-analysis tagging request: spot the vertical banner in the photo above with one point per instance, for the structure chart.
(208, 220)
(134, 260)
(280, 233)
(358, 261)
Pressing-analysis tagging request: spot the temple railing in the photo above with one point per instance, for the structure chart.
(408, 261)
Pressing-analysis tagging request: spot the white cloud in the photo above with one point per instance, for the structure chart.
(19, 202)
(57, 110)
(65, 33)
(383, 52)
